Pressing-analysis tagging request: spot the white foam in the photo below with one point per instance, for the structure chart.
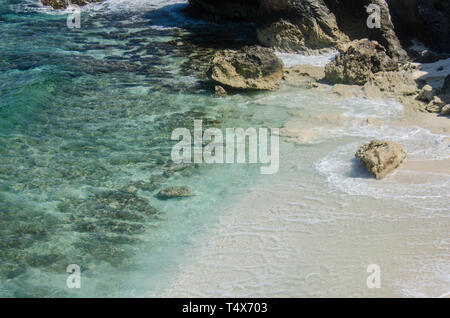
(291, 59)
(344, 172)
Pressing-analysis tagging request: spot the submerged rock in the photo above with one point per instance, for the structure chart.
(358, 61)
(426, 94)
(381, 157)
(219, 91)
(253, 67)
(174, 192)
(62, 4)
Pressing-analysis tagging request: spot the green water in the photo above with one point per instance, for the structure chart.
(87, 113)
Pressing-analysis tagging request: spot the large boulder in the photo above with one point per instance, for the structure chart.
(296, 25)
(252, 67)
(62, 4)
(381, 157)
(358, 61)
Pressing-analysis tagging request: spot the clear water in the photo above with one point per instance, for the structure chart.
(85, 120)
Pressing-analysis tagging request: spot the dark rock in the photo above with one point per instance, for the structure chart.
(61, 4)
(254, 68)
(292, 25)
(381, 157)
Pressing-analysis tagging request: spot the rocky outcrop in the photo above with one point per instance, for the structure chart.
(61, 4)
(424, 20)
(381, 157)
(358, 61)
(391, 85)
(219, 91)
(298, 25)
(251, 68)
(174, 192)
(303, 75)
(445, 110)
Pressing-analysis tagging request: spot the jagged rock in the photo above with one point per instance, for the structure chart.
(352, 19)
(381, 157)
(61, 4)
(358, 61)
(426, 94)
(219, 91)
(445, 90)
(298, 24)
(303, 75)
(253, 67)
(445, 110)
(347, 91)
(174, 192)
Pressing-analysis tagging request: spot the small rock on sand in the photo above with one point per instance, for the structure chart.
(381, 157)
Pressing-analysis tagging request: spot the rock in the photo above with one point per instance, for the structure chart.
(381, 157)
(347, 91)
(303, 75)
(424, 20)
(253, 67)
(62, 4)
(174, 192)
(288, 37)
(423, 56)
(435, 105)
(445, 90)
(358, 61)
(292, 25)
(352, 19)
(426, 94)
(219, 91)
(282, 36)
(445, 110)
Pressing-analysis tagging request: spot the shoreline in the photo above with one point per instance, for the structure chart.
(270, 243)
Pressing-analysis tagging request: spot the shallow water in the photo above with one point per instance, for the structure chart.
(85, 121)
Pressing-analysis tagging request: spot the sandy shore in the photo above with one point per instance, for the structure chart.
(287, 238)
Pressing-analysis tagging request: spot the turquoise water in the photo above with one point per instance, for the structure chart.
(85, 122)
